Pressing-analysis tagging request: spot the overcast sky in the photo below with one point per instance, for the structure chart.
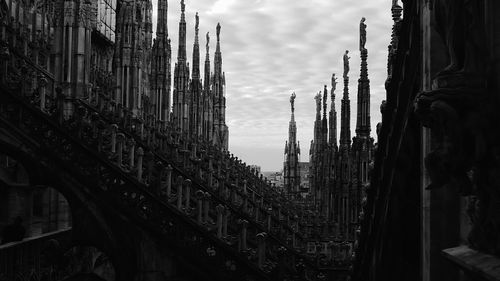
(271, 48)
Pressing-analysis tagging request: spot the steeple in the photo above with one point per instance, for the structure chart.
(161, 23)
(345, 127)
(218, 55)
(333, 115)
(324, 123)
(292, 152)
(196, 51)
(208, 115)
(218, 88)
(292, 127)
(207, 65)
(181, 54)
(363, 114)
(181, 100)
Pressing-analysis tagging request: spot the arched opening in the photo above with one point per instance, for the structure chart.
(26, 210)
(32, 220)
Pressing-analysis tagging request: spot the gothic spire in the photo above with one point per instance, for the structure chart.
(218, 55)
(292, 129)
(181, 54)
(363, 113)
(161, 23)
(345, 127)
(207, 64)
(333, 114)
(196, 51)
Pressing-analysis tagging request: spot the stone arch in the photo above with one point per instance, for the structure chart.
(92, 224)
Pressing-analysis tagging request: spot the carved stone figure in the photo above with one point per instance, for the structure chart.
(334, 83)
(461, 25)
(183, 6)
(292, 101)
(346, 63)
(218, 31)
(362, 34)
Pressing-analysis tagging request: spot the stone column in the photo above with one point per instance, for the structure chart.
(206, 207)
(220, 211)
(131, 152)
(244, 225)
(119, 155)
(261, 249)
(179, 192)
(187, 184)
(140, 156)
(269, 217)
(114, 128)
(199, 199)
(224, 223)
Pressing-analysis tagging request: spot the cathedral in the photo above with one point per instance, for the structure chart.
(114, 168)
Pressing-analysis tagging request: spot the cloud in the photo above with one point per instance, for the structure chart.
(271, 48)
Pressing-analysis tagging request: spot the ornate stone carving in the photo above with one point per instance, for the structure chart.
(461, 112)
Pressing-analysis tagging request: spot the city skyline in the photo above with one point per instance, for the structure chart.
(302, 45)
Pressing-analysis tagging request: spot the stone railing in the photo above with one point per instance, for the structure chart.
(133, 180)
(29, 259)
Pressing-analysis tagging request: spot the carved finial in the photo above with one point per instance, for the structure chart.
(334, 83)
(292, 101)
(362, 34)
(218, 31)
(183, 6)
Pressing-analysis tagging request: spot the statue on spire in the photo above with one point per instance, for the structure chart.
(292, 101)
(334, 83)
(346, 64)
(218, 31)
(362, 34)
(183, 6)
(208, 40)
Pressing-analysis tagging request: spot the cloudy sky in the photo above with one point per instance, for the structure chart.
(271, 48)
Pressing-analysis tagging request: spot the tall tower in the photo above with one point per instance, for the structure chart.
(196, 88)
(161, 75)
(208, 101)
(292, 151)
(221, 132)
(181, 79)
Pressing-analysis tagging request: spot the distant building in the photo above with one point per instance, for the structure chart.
(256, 167)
